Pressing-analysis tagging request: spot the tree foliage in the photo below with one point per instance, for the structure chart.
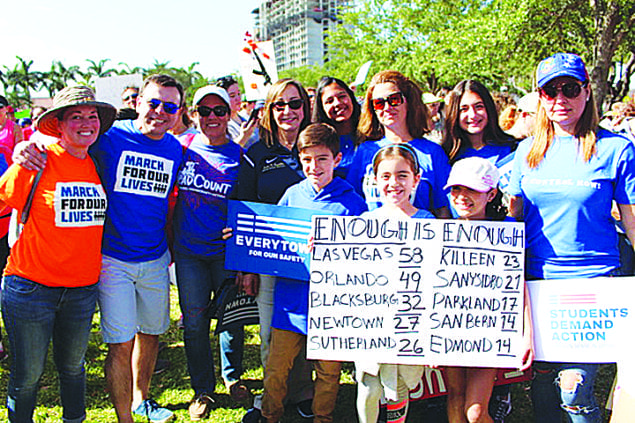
(500, 42)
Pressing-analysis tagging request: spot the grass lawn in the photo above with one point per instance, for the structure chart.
(172, 388)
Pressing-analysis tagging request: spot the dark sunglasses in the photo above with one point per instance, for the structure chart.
(130, 97)
(393, 99)
(170, 108)
(293, 104)
(568, 89)
(205, 111)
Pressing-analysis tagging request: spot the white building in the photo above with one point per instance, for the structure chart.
(298, 29)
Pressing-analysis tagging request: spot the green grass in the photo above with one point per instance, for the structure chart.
(172, 387)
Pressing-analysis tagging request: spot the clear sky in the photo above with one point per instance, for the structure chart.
(136, 32)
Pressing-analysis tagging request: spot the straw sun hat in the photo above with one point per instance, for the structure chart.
(74, 96)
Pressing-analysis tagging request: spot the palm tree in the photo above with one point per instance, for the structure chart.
(59, 76)
(96, 70)
(127, 70)
(19, 81)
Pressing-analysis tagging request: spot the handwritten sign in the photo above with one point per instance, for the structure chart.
(417, 291)
(269, 239)
(582, 320)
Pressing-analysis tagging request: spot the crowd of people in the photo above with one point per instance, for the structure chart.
(107, 199)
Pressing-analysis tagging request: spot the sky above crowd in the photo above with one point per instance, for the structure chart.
(135, 32)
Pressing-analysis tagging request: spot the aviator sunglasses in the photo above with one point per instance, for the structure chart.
(293, 104)
(394, 100)
(568, 89)
(170, 108)
(130, 97)
(205, 111)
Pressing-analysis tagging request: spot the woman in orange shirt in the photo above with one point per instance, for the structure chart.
(49, 287)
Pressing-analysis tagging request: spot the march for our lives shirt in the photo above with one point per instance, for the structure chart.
(205, 181)
(567, 205)
(138, 174)
(434, 173)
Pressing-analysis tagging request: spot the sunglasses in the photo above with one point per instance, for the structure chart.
(568, 89)
(169, 108)
(205, 111)
(293, 104)
(393, 99)
(131, 97)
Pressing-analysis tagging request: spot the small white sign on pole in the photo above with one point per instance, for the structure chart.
(258, 68)
(417, 291)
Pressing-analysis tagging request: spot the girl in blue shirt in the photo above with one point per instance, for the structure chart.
(335, 104)
(471, 125)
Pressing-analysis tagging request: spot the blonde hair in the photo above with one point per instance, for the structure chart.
(584, 132)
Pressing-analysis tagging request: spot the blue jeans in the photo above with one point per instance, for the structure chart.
(34, 314)
(197, 278)
(549, 400)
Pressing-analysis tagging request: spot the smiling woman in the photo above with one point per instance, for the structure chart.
(336, 105)
(393, 112)
(55, 263)
(564, 181)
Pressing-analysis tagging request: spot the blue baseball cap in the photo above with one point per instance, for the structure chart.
(561, 64)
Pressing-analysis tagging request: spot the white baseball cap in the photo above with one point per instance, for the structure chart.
(476, 173)
(211, 90)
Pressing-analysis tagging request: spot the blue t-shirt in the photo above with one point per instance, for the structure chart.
(493, 153)
(291, 296)
(434, 173)
(138, 174)
(206, 178)
(567, 205)
(347, 148)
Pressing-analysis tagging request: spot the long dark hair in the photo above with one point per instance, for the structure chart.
(495, 210)
(319, 115)
(456, 139)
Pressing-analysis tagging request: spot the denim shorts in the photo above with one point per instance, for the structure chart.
(134, 297)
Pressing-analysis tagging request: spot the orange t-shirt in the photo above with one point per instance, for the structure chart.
(60, 245)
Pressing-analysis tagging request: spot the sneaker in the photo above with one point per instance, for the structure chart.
(200, 406)
(238, 391)
(305, 409)
(153, 412)
(500, 406)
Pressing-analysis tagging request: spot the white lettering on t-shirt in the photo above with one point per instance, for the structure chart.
(564, 182)
(79, 204)
(144, 174)
(190, 180)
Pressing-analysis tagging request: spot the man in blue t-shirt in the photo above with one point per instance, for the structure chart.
(137, 162)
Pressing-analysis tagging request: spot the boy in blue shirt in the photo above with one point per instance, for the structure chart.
(318, 146)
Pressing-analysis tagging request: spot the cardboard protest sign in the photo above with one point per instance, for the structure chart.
(417, 291)
(582, 320)
(269, 239)
(257, 67)
(109, 88)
